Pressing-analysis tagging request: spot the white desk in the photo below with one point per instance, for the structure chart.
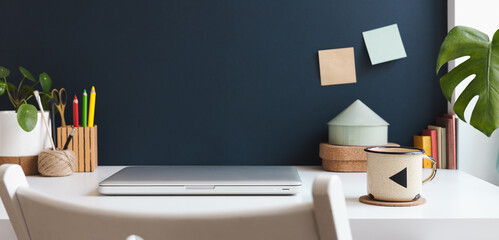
(459, 205)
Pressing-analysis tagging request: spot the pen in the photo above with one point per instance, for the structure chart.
(75, 112)
(70, 137)
(91, 111)
(52, 116)
(84, 109)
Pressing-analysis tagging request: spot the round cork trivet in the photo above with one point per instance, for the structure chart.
(339, 152)
(344, 166)
(367, 200)
(339, 158)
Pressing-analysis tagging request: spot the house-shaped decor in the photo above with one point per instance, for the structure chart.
(358, 125)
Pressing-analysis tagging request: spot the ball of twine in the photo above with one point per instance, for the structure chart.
(56, 163)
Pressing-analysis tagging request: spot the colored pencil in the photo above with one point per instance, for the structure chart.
(75, 112)
(91, 111)
(84, 110)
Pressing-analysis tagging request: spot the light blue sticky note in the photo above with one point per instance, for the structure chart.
(384, 44)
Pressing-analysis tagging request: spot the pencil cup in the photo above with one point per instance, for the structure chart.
(56, 163)
(84, 145)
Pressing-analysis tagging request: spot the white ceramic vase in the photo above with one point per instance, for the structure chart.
(15, 142)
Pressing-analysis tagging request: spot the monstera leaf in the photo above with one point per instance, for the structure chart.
(483, 62)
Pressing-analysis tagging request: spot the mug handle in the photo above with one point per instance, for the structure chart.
(434, 168)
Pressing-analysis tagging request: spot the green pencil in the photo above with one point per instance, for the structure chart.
(84, 108)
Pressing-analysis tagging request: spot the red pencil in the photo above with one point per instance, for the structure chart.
(75, 112)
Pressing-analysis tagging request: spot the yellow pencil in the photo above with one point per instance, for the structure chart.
(91, 108)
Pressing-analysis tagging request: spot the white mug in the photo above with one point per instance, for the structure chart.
(395, 173)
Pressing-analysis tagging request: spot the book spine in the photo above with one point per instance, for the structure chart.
(453, 146)
(446, 123)
(434, 144)
(424, 142)
(444, 148)
(440, 144)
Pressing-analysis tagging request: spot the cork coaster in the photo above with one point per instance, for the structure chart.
(367, 200)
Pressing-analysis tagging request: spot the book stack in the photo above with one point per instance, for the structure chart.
(439, 142)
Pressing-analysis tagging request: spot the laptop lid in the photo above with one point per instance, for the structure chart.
(203, 180)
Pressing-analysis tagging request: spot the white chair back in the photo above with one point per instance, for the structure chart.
(36, 216)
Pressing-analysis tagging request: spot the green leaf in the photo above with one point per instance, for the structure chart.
(27, 90)
(45, 102)
(26, 74)
(46, 82)
(2, 88)
(11, 87)
(27, 116)
(484, 63)
(4, 72)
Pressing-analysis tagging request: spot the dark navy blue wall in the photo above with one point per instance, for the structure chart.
(225, 81)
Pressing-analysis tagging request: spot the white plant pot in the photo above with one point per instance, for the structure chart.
(15, 142)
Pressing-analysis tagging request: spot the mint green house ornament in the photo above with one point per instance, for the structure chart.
(358, 125)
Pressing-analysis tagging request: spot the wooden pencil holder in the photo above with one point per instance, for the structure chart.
(84, 144)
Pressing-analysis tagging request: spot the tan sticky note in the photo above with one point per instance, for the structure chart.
(337, 66)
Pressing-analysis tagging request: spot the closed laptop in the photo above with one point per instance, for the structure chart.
(203, 180)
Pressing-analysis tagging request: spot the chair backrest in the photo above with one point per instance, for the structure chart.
(36, 216)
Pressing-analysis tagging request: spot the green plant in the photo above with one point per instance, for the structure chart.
(483, 62)
(27, 116)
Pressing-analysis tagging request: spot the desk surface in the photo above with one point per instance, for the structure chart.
(451, 195)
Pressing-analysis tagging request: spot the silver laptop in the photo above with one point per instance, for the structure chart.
(203, 180)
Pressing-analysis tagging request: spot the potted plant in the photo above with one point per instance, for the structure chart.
(483, 62)
(22, 136)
